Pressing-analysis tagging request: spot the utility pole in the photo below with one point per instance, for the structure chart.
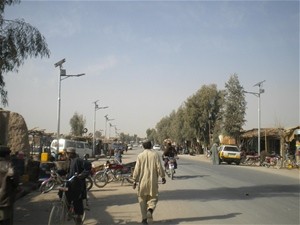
(257, 94)
(95, 110)
(62, 76)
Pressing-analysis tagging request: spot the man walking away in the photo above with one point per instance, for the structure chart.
(147, 170)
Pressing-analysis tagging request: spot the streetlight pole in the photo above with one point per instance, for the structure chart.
(116, 132)
(106, 120)
(110, 125)
(62, 76)
(257, 94)
(96, 108)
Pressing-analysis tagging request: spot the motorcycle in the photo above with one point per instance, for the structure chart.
(170, 166)
(251, 160)
(272, 160)
(114, 171)
(57, 177)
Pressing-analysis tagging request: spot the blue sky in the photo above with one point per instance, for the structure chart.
(143, 59)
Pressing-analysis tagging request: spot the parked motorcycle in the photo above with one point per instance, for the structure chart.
(251, 160)
(57, 177)
(170, 166)
(274, 160)
(114, 171)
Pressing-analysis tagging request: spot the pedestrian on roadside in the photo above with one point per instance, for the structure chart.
(9, 182)
(77, 189)
(146, 173)
(215, 154)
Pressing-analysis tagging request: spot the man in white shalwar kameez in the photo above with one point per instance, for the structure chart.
(146, 172)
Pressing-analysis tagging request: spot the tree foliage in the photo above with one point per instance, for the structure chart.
(152, 135)
(126, 138)
(234, 108)
(203, 111)
(18, 40)
(198, 119)
(77, 123)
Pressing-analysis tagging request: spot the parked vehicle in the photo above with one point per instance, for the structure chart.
(114, 171)
(251, 160)
(57, 177)
(274, 160)
(156, 147)
(290, 163)
(229, 154)
(82, 148)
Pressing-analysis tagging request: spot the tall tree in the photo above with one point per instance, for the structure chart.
(152, 135)
(203, 110)
(18, 41)
(77, 123)
(163, 129)
(234, 107)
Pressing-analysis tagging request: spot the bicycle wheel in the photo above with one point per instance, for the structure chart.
(172, 174)
(57, 215)
(89, 183)
(100, 179)
(130, 180)
(110, 176)
(47, 186)
(83, 216)
(278, 164)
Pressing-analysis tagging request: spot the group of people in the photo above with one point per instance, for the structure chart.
(146, 174)
(148, 169)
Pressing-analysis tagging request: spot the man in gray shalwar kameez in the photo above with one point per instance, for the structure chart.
(215, 154)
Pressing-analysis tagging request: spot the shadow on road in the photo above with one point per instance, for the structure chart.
(185, 177)
(200, 218)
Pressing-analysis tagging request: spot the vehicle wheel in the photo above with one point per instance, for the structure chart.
(100, 179)
(168, 172)
(172, 174)
(286, 164)
(237, 162)
(89, 183)
(249, 162)
(47, 186)
(83, 216)
(110, 176)
(129, 180)
(278, 163)
(57, 215)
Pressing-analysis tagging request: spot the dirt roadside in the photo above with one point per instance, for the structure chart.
(293, 173)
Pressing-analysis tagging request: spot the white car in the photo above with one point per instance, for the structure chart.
(156, 147)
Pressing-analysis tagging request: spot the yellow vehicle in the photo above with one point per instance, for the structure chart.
(229, 154)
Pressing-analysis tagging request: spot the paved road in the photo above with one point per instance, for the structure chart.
(200, 194)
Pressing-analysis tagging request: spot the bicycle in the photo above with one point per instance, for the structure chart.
(56, 178)
(63, 211)
(290, 162)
